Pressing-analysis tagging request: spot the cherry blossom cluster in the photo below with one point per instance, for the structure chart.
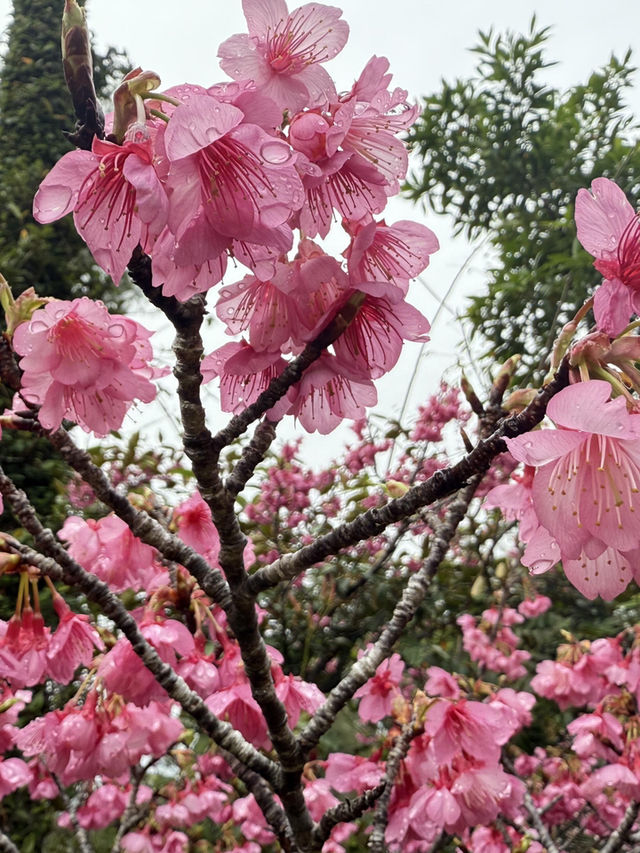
(196, 176)
(577, 498)
(179, 691)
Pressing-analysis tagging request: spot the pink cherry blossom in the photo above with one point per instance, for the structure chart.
(532, 607)
(475, 727)
(391, 253)
(23, 649)
(196, 528)
(116, 196)
(82, 363)
(346, 772)
(586, 481)
(597, 734)
(109, 550)
(244, 374)
(378, 693)
(297, 695)
(372, 343)
(345, 183)
(71, 644)
(609, 229)
(14, 773)
(228, 180)
(378, 115)
(284, 312)
(282, 52)
(237, 705)
(327, 395)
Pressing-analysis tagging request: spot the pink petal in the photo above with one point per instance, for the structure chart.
(58, 193)
(586, 406)
(542, 446)
(601, 217)
(196, 125)
(151, 200)
(263, 15)
(612, 307)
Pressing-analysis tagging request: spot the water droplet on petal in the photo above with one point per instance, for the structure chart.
(276, 152)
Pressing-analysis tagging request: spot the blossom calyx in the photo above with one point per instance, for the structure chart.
(19, 310)
(127, 99)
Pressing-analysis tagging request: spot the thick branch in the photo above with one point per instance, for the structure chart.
(412, 597)
(241, 611)
(439, 485)
(272, 812)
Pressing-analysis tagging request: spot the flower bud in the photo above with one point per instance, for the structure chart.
(77, 61)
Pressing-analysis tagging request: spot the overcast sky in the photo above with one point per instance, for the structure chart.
(424, 41)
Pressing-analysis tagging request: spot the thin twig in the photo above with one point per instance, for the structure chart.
(619, 836)
(132, 813)
(442, 483)
(405, 609)
(396, 756)
(534, 813)
(347, 810)
(7, 845)
(72, 809)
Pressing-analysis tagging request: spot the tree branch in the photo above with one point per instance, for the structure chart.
(252, 456)
(620, 835)
(405, 609)
(396, 756)
(79, 832)
(147, 529)
(439, 485)
(55, 562)
(345, 811)
(534, 813)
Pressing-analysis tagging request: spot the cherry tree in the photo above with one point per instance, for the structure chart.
(222, 638)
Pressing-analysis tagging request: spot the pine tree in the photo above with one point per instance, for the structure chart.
(35, 113)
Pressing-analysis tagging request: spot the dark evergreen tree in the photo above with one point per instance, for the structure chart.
(35, 112)
(504, 154)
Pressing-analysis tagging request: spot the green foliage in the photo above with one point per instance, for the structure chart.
(504, 153)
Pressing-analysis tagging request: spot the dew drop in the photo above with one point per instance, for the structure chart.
(62, 199)
(276, 152)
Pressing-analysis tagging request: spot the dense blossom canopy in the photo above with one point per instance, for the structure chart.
(234, 607)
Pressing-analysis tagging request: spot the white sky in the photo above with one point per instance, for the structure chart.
(424, 41)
